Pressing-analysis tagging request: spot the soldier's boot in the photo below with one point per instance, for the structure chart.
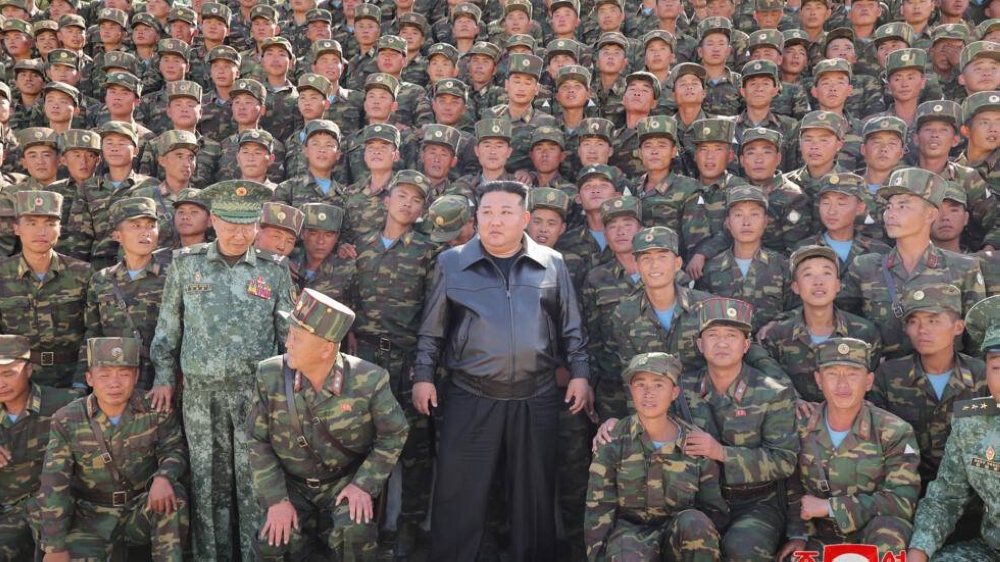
(692, 537)
(889, 534)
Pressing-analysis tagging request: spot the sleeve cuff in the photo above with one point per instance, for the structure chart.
(579, 370)
(423, 373)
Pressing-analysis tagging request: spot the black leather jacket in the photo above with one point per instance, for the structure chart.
(501, 341)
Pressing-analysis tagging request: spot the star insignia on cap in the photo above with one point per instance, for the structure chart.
(449, 84)
(654, 124)
(496, 128)
(762, 37)
(241, 191)
(918, 295)
(731, 312)
(756, 66)
(281, 215)
(618, 203)
(377, 128)
(938, 108)
(885, 123)
(821, 117)
(183, 87)
(311, 79)
(439, 220)
(321, 216)
(438, 134)
(594, 127)
(994, 99)
(550, 197)
(85, 138)
(835, 179)
(649, 237)
(889, 30)
(905, 57)
(215, 10)
(254, 134)
(63, 55)
(843, 349)
(706, 131)
(988, 47)
(38, 134)
(39, 202)
(116, 352)
(525, 62)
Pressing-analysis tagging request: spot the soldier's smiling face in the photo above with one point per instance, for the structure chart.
(652, 394)
(844, 386)
(658, 267)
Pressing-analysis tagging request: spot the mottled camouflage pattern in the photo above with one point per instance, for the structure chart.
(723, 97)
(49, 312)
(981, 194)
(299, 190)
(672, 203)
(335, 277)
(765, 285)
(362, 414)
(8, 240)
(358, 68)
(346, 109)
(714, 199)
(792, 101)
(144, 444)
(206, 162)
(651, 503)
(787, 126)
(968, 469)
(579, 241)
(229, 169)
(282, 116)
(870, 481)
(522, 129)
(861, 245)
(216, 117)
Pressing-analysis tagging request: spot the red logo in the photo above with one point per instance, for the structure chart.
(848, 553)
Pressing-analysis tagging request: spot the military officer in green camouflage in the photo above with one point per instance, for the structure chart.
(43, 293)
(760, 83)
(969, 467)
(522, 86)
(647, 497)
(981, 154)
(113, 468)
(855, 480)
(588, 240)
(280, 226)
(212, 293)
(325, 432)
(26, 410)
(320, 268)
(549, 210)
(821, 137)
(39, 158)
(364, 200)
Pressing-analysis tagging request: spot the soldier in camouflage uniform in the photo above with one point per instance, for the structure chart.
(768, 45)
(247, 98)
(905, 89)
(413, 108)
(79, 153)
(26, 411)
(913, 196)
(982, 155)
(821, 136)
(171, 54)
(320, 268)
(381, 91)
(315, 184)
(43, 293)
(217, 111)
(178, 152)
(647, 498)
(855, 480)
(363, 202)
(38, 147)
(493, 151)
(450, 221)
(345, 105)
(716, 42)
(642, 90)
(124, 300)
(833, 85)
(99, 495)
(313, 100)
(282, 116)
(280, 225)
(969, 467)
(318, 491)
(549, 208)
(207, 306)
(522, 87)
(439, 157)
(363, 63)
(588, 240)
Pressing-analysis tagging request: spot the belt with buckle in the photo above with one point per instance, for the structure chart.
(383, 345)
(314, 483)
(748, 493)
(119, 498)
(50, 358)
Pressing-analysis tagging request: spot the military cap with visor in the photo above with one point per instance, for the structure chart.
(14, 348)
(621, 206)
(647, 77)
(115, 15)
(176, 138)
(940, 110)
(713, 129)
(447, 215)
(63, 88)
(979, 102)
(467, 10)
(549, 198)
(322, 216)
(828, 66)
(888, 124)
(804, 253)
(982, 324)
(905, 59)
(63, 57)
(224, 52)
(766, 38)
(978, 50)
(172, 47)
(321, 316)
(617, 39)
(761, 134)
(316, 82)
(850, 352)
(237, 201)
(183, 89)
(653, 126)
(280, 215)
(383, 132)
(33, 136)
(132, 208)
(443, 135)
(746, 192)
(113, 352)
(38, 203)
(392, 43)
(119, 128)
(896, 30)
(846, 183)
(525, 64)
(596, 127)
(820, 119)
(656, 363)
(760, 68)
(189, 196)
(655, 238)
(915, 181)
(591, 171)
(714, 24)
(493, 129)
(412, 178)
(249, 86)
(933, 297)
(445, 50)
(79, 139)
(216, 11)
(256, 136)
(722, 311)
(384, 81)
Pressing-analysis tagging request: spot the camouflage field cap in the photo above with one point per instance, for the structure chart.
(321, 15)
(769, 5)
(38, 203)
(326, 126)
(120, 60)
(820, 119)
(251, 87)
(119, 128)
(383, 132)
(616, 38)
(325, 46)
(132, 208)
(485, 48)
(314, 82)
(443, 135)
(934, 298)
(524, 64)
(72, 20)
(573, 4)
(520, 40)
(391, 42)
(445, 50)
(655, 238)
(767, 38)
(889, 124)
(147, 19)
(979, 102)
(224, 52)
(596, 127)
(115, 15)
(451, 87)
(904, 59)
(655, 362)
(827, 66)
(63, 57)
(23, 4)
(413, 19)
(125, 80)
(957, 31)
(256, 136)
(686, 68)
(184, 14)
(44, 25)
(172, 47)
(714, 24)
(411, 177)
(216, 11)
(956, 193)
(518, 5)
(467, 10)
(493, 129)
(5, 91)
(647, 77)
(653, 126)
(549, 198)
(619, 3)
(978, 50)
(546, 133)
(739, 193)
(915, 181)
(846, 183)
(562, 47)
(761, 134)
(600, 171)
(113, 352)
(33, 136)
(940, 110)
(80, 139)
(715, 129)
(795, 37)
(896, 30)
(573, 72)
(447, 215)
(721, 311)
(267, 12)
(760, 68)
(281, 215)
(835, 34)
(278, 42)
(183, 89)
(34, 65)
(189, 195)
(843, 351)
(321, 316)
(812, 251)
(987, 27)
(322, 216)
(174, 139)
(14, 348)
(237, 201)
(387, 82)
(982, 323)
(621, 206)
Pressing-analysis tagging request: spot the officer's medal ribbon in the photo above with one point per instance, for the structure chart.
(259, 288)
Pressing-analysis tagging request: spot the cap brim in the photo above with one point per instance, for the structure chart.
(441, 236)
(930, 307)
(723, 322)
(236, 217)
(627, 376)
(890, 190)
(844, 362)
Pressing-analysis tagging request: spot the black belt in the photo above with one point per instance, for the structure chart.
(120, 498)
(50, 358)
(317, 483)
(383, 345)
(748, 493)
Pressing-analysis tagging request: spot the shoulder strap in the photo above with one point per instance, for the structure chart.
(109, 461)
(293, 415)
(326, 431)
(818, 463)
(168, 215)
(890, 284)
(123, 305)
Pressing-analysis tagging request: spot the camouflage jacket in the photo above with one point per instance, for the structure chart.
(581, 242)
(336, 278)
(981, 190)
(792, 101)
(674, 203)
(358, 68)
(88, 236)
(521, 131)
(788, 341)
(787, 126)
(229, 168)
(206, 310)
(206, 162)
(216, 117)
(364, 209)
(902, 388)
(603, 288)
(765, 286)
(346, 109)
(872, 473)
(722, 95)
(299, 190)
(282, 116)
(861, 245)
(9, 243)
(714, 200)
(355, 405)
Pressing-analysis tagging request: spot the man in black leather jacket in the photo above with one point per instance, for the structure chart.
(503, 311)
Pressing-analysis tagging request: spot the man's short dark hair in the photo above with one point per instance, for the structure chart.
(506, 186)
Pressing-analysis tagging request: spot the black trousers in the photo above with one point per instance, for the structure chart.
(476, 434)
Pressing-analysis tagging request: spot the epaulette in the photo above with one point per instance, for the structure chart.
(271, 257)
(985, 406)
(192, 250)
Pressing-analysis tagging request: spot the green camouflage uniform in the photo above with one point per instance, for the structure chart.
(206, 171)
(860, 245)
(216, 117)
(765, 285)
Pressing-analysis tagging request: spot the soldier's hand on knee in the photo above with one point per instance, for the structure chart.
(359, 502)
(5, 456)
(61, 556)
(425, 397)
(162, 499)
(790, 547)
(161, 397)
(603, 436)
(281, 519)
